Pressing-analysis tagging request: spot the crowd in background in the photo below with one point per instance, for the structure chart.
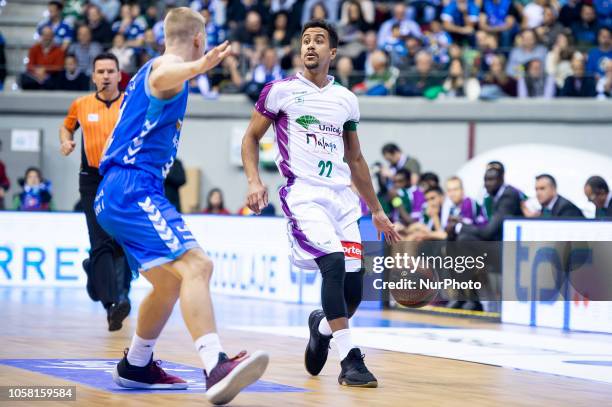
(456, 48)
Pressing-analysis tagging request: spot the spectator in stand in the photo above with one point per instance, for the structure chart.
(527, 50)
(535, 83)
(125, 54)
(558, 59)
(406, 27)
(345, 74)
(352, 30)
(108, 8)
(585, 30)
(598, 57)
(550, 29)
(214, 203)
(603, 9)
(267, 71)
(487, 49)
(421, 78)
(553, 204)
(246, 32)
(44, 59)
(397, 159)
(363, 62)
(226, 78)
(215, 34)
(597, 192)
(423, 11)
(570, 12)
(533, 14)
(460, 18)
(437, 42)
(5, 183)
(71, 78)
(367, 8)
(84, 49)
(62, 32)
(35, 194)
(579, 84)
(497, 83)
(498, 17)
(175, 179)
(101, 31)
(131, 28)
(604, 85)
(455, 82)
(395, 46)
(321, 10)
(151, 16)
(280, 35)
(382, 81)
(150, 48)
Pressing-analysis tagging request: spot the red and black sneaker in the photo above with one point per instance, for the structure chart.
(230, 376)
(151, 376)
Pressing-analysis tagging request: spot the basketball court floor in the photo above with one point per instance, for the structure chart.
(58, 337)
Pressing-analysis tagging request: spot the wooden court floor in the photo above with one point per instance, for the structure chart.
(39, 324)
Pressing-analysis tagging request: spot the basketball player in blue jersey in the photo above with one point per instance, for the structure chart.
(130, 206)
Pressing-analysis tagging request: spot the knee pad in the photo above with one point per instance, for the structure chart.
(332, 288)
(353, 291)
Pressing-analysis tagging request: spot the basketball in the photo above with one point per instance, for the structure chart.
(417, 289)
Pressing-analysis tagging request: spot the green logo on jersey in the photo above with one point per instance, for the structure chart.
(306, 121)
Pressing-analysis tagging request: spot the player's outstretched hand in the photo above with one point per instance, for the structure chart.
(213, 57)
(257, 198)
(67, 147)
(383, 225)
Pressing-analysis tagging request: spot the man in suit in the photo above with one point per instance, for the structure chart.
(553, 204)
(597, 191)
(506, 202)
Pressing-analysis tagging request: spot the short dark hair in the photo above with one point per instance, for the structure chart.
(331, 30)
(549, 177)
(434, 189)
(429, 176)
(69, 56)
(405, 172)
(496, 165)
(57, 4)
(390, 148)
(598, 184)
(106, 55)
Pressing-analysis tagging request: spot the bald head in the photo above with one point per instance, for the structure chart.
(183, 24)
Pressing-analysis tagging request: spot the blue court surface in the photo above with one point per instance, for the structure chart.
(96, 373)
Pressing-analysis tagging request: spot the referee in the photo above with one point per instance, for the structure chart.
(108, 275)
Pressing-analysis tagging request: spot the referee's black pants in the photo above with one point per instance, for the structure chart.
(108, 267)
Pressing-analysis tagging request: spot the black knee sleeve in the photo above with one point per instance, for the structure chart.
(332, 288)
(353, 291)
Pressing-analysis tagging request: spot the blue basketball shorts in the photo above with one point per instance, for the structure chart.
(130, 206)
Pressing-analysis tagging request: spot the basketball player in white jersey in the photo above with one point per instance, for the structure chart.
(315, 121)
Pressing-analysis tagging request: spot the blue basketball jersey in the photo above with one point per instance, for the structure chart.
(147, 133)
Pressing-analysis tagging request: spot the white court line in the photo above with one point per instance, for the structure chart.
(525, 351)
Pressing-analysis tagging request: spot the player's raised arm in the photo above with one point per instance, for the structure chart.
(257, 197)
(360, 175)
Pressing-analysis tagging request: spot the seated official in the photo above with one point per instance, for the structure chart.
(553, 204)
(597, 191)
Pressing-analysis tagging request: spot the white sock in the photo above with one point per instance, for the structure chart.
(140, 351)
(324, 328)
(344, 342)
(209, 347)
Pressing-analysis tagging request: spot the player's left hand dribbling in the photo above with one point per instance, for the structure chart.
(383, 225)
(257, 198)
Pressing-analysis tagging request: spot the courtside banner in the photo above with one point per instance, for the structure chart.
(582, 306)
(251, 254)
